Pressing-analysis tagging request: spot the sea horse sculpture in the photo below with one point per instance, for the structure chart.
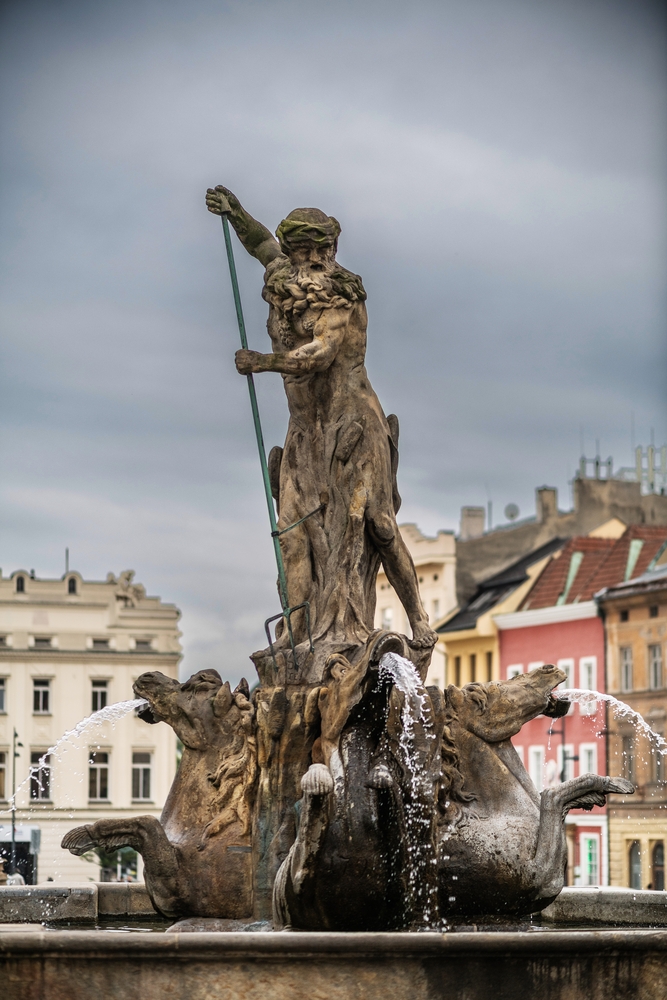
(198, 856)
(501, 844)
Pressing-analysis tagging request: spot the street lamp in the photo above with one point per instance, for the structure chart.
(565, 757)
(15, 754)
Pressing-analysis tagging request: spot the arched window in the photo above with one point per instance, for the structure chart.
(20, 584)
(635, 860)
(71, 585)
(659, 865)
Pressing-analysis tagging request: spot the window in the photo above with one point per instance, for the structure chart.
(40, 697)
(2, 696)
(40, 775)
(3, 641)
(3, 775)
(457, 671)
(519, 751)
(588, 758)
(567, 665)
(565, 773)
(98, 776)
(387, 619)
(653, 611)
(628, 757)
(489, 667)
(20, 585)
(473, 667)
(514, 670)
(141, 775)
(589, 848)
(100, 644)
(146, 645)
(535, 665)
(536, 766)
(657, 759)
(655, 666)
(626, 668)
(42, 642)
(624, 616)
(588, 681)
(71, 585)
(436, 610)
(658, 865)
(99, 695)
(635, 865)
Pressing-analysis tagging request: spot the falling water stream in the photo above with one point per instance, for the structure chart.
(584, 697)
(422, 886)
(111, 713)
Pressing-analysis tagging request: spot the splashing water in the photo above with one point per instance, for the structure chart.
(585, 697)
(422, 885)
(109, 714)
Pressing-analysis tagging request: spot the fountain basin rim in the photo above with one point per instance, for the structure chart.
(274, 946)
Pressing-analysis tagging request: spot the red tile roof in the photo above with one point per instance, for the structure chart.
(604, 564)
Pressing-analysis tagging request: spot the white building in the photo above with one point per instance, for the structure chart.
(435, 562)
(67, 648)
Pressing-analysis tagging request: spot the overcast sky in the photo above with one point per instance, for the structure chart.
(498, 171)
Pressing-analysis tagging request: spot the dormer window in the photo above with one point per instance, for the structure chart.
(100, 644)
(43, 642)
(20, 585)
(143, 645)
(71, 585)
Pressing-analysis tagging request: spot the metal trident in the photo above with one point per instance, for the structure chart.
(287, 611)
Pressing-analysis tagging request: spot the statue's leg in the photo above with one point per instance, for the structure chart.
(400, 570)
(145, 835)
(551, 850)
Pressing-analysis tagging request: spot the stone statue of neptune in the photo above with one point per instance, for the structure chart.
(341, 452)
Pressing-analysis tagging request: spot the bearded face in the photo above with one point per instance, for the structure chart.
(313, 258)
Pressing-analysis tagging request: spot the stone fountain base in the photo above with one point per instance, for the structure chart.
(201, 959)
(545, 964)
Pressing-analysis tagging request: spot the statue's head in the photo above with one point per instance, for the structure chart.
(309, 237)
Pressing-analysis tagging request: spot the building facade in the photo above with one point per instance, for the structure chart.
(468, 639)
(68, 648)
(635, 614)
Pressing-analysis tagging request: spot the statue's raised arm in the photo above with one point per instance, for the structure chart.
(255, 237)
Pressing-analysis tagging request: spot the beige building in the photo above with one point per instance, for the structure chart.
(435, 562)
(635, 614)
(69, 647)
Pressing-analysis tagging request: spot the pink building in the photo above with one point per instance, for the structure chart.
(559, 623)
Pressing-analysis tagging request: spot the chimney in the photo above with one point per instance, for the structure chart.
(472, 522)
(546, 503)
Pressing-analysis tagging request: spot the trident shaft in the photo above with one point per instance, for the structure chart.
(287, 611)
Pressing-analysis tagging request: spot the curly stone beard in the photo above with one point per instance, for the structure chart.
(294, 288)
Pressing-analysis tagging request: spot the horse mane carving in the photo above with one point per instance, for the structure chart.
(234, 777)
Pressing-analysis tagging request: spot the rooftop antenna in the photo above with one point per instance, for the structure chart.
(287, 611)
